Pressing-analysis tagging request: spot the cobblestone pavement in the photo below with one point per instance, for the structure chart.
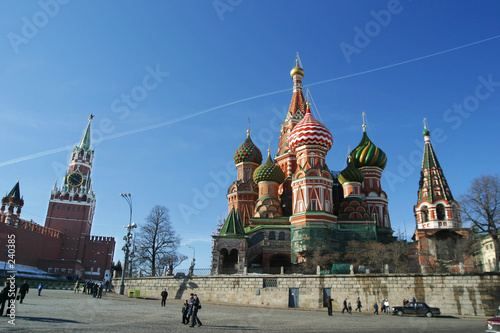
(65, 311)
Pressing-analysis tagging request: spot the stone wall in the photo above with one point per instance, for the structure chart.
(470, 295)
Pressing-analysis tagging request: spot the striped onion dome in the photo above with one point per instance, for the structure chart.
(351, 174)
(248, 152)
(367, 154)
(269, 172)
(310, 131)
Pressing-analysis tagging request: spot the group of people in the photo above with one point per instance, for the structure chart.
(385, 306)
(10, 294)
(190, 311)
(189, 308)
(347, 306)
(92, 288)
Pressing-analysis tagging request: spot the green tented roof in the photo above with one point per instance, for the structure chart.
(233, 225)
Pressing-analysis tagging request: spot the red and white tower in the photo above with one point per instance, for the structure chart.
(285, 158)
(71, 207)
(436, 208)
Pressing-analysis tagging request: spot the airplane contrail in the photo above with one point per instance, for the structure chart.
(177, 120)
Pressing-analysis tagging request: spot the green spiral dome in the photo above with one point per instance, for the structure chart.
(367, 154)
(269, 172)
(351, 174)
(426, 132)
(248, 152)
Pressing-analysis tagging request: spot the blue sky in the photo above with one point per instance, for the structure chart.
(161, 78)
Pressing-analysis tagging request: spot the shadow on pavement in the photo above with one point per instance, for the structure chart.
(48, 320)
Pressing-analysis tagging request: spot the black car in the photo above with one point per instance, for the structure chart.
(416, 309)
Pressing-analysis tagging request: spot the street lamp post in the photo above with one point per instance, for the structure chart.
(191, 268)
(127, 239)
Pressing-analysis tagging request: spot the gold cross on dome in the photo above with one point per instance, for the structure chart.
(91, 116)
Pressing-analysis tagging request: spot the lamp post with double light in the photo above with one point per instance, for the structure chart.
(127, 239)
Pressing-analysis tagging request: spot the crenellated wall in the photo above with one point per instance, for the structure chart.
(469, 295)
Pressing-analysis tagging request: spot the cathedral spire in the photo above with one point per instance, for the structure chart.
(15, 193)
(297, 105)
(85, 142)
(435, 208)
(433, 185)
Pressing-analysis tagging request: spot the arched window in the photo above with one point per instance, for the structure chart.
(281, 235)
(425, 214)
(272, 235)
(440, 212)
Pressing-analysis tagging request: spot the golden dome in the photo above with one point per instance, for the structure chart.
(297, 70)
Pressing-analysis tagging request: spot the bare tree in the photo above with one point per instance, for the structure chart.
(156, 241)
(479, 207)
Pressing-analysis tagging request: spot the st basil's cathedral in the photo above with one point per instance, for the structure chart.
(284, 209)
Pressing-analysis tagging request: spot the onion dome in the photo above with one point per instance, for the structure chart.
(351, 174)
(367, 154)
(426, 132)
(269, 172)
(310, 131)
(248, 152)
(297, 70)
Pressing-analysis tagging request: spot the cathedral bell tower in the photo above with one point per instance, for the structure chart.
(71, 206)
(285, 158)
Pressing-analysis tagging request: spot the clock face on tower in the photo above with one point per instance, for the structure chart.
(75, 179)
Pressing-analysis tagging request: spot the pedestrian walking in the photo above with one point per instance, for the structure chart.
(329, 305)
(40, 287)
(195, 306)
(375, 307)
(358, 305)
(99, 292)
(349, 308)
(77, 286)
(387, 306)
(345, 306)
(164, 295)
(23, 290)
(106, 285)
(185, 311)
(95, 288)
(4, 296)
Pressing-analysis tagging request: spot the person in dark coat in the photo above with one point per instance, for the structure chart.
(23, 290)
(164, 295)
(185, 311)
(375, 307)
(329, 305)
(345, 306)
(95, 288)
(358, 305)
(4, 296)
(40, 287)
(100, 289)
(195, 305)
